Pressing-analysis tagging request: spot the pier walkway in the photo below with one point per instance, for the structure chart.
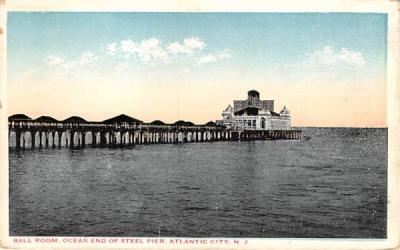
(123, 131)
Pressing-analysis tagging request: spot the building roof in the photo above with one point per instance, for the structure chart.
(253, 111)
(75, 119)
(247, 111)
(122, 119)
(19, 117)
(157, 122)
(274, 113)
(45, 118)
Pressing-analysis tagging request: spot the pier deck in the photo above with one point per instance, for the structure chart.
(39, 134)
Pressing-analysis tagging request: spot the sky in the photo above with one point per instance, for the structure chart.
(329, 69)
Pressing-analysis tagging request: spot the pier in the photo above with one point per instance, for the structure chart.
(123, 131)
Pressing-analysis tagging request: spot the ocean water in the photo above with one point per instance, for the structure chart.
(333, 185)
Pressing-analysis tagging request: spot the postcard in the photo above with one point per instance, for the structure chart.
(200, 124)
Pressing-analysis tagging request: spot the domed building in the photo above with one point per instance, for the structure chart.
(255, 114)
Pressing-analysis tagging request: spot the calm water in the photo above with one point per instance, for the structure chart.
(333, 185)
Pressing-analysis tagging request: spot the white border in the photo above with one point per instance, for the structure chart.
(393, 97)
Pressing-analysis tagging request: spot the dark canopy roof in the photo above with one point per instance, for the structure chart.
(19, 117)
(183, 123)
(247, 111)
(210, 123)
(252, 111)
(45, 119)
(75, 119)
(122, 119)
(157, 122)
(274, 113)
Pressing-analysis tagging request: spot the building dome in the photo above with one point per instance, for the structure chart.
(253, 93)
(285, 111)
(228, 110)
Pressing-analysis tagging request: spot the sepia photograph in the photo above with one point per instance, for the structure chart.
(195, 127)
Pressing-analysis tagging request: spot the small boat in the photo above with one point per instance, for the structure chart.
(307, 138)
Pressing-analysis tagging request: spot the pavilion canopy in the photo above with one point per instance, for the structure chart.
(45, 119)
(210, 123)
(19, 117)
(75, 119)
(183, 123)
(123, 119)
(157, 122)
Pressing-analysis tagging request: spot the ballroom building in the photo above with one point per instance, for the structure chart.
(255, 114)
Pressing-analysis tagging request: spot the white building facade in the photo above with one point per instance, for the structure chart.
(254, 116)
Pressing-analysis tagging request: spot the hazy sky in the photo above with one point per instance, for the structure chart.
(328, 69)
